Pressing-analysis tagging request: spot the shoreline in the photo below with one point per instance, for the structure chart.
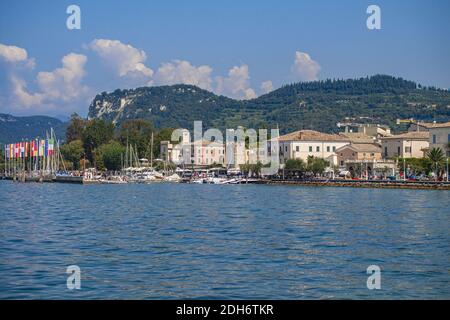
(420, 185)
(373, 184)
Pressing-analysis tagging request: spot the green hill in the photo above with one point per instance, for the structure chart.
(315, 105)
(16, 129)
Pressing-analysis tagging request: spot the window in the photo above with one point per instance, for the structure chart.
(408, 149)
(448, 138)
(398, 150)
(285, 148)
(434, 138)
(328, 148)
(297, 148)
(342, 163)
(310, 149)
(334, 148)
(317, 149)
(385, 152)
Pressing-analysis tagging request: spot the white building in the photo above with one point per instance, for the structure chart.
(204, 152)
(304, 143)
(440, 137)
(201, 153)
(405, 145)
(376, 131)
(207, 153)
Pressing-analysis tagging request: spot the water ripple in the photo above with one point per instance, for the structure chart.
(166, 241)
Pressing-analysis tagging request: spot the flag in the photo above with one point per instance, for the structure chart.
(51, 147)
(11, 151)
(36, 148)
(41, 148)
(7, 151)
(22, 150)
(27, 149)
(16, 150)
(34, 151)
(46, 147)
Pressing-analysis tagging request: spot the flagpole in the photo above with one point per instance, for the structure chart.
(5, 161)
(30, 160)
(9, 161)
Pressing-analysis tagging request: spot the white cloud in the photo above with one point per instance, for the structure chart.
(266, 86)
(305, 68)
(22, 97)
(57, 88)
(13, 54)
(180, 71)
(123, 58)
(236, 85)
(64, 83)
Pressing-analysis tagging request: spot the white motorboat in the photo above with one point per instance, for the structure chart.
(113, 180)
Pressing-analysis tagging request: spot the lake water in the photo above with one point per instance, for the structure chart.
(164, 241)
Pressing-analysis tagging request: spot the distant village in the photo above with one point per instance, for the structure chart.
(365, 151)
(368, 153)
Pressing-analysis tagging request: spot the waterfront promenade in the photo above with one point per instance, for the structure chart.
(388, 184)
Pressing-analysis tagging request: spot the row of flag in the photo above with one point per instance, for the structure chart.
(34, 148)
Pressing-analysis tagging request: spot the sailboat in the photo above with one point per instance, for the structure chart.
(139, 170)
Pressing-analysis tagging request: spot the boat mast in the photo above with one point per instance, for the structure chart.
(151, 152)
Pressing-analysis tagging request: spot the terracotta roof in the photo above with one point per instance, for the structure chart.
(413, 135)
(431, 125)
(362, 147)
(311, 135)
(357, 137)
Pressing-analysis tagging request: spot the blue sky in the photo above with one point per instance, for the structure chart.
(236, 48)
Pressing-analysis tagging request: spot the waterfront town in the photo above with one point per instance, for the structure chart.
(362, 151)
(359, 152)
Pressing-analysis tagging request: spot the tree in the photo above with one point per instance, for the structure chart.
(245, 168)
(73, 152)
(316, 165)
(436, 156)
(2, 158)
(109, 156)
(416, 165)
(75, 128)
(295, 164)
(138, 133)
(160, 166)
(96, 133)
(256, 168)
(253, 169)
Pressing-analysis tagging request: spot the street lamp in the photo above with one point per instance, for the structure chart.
(447, 169)
(404, 169)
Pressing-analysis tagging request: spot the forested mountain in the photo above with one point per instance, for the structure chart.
(16, 129)
(315, 105)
